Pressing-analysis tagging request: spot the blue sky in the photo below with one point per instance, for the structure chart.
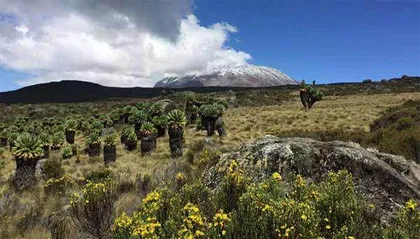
(326, 41)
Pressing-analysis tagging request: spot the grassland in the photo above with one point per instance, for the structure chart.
(350, 113)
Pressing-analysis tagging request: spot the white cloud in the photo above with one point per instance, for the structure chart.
(115, 48)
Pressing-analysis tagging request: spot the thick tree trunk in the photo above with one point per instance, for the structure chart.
(46, 149)
(130, 145)
(11, 145)
(176, 138)
(161, 131)
(94, 150)
(220, 127)
(70, 136)
(25, 173)
(193, 118)
(304, 98)
(3, 142)
(123, 138)
(110, 154)
(209, 124)
(148, 144)
(137, 127)
(125, 118)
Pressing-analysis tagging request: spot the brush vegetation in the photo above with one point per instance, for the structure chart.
(132, 168)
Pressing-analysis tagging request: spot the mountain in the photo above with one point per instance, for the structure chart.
(68, 91)
(236, 76)
(73, 91)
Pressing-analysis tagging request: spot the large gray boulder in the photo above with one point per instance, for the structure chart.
(386, 180)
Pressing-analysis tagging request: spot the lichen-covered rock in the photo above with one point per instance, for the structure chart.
(384, 179)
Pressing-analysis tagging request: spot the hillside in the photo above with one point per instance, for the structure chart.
(79, 91)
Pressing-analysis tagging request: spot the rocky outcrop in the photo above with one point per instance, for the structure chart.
(384, 179)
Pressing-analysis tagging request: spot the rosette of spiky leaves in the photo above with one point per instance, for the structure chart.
(126, 129)
(102, 117)
(148, 129)
(143, 106)
(176, 119)
(94, 138)
(318, 95)
(45, 139)
(160, 121)
(67, 152)
(27, 147)
(13, 137)
(4, 134)
(19, 121)
(115, 115)
(110, 139)
(52, 121)
(190, 97)
(128, 109)
(71, 125)
(58, 139)
(120, 110)
(13, 128)
(91, 119)
(96, 127)
(109, 122)
(138, 117)
(131, 136)
(156, 109)
(60, 121)
(210, 110)
(224, 103)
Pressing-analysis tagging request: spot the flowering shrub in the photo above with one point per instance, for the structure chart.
(407, 222)
(59, 185)
(194, 225)
(270, 208)
(93, 208)
(232, 187)
(220, 225)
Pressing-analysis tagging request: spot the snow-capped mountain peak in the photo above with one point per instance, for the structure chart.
(246, 75)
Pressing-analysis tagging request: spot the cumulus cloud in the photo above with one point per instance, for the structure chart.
(115, 43)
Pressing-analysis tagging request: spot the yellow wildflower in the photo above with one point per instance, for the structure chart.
(277, 176)
(266, 208)
(328, 227)
(411, 205)
(180, 176)
(304, 217)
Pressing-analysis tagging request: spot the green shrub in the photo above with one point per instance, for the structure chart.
(93, 209)
(59, 186)
(67, 152)
(57, 139)
(52, 168)
(99, 175)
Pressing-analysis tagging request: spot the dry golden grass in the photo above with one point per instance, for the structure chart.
(354, 112)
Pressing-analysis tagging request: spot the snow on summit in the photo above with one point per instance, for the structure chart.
(245, 75)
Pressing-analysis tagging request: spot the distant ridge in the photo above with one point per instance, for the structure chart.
(68, 91)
